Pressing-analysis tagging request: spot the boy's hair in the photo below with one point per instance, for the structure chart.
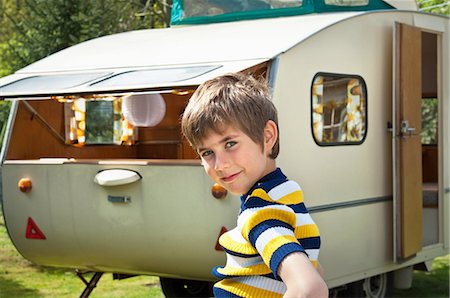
(231, 99)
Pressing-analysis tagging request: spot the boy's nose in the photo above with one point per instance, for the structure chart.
(221, 162)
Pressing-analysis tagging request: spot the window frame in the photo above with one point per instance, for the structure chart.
(307, 7)
(366, 121)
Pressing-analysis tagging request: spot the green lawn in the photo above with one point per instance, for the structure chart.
(20, 278)
(430, 284)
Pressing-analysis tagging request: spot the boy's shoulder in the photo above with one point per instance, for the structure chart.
(276, 188)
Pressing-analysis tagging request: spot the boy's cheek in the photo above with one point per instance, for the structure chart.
(211, 173)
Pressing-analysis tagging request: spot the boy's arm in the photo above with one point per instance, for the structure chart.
(301, 278)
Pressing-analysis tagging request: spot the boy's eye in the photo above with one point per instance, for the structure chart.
(230, 144)
(206, 153)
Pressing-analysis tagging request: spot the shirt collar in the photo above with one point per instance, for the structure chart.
(276, 174)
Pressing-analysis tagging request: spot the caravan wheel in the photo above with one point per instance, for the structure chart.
(173, 287)
(378, 286)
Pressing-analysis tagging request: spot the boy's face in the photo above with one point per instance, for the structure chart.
(234, 160)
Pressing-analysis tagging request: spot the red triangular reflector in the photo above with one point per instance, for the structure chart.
(33, 231)
(218, 246)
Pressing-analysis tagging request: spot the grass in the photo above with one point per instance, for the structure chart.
(20, 278)
(434, 283)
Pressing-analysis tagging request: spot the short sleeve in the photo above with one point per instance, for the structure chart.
(270, 229)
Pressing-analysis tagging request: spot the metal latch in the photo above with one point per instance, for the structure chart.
(119, 199)
(405, 129)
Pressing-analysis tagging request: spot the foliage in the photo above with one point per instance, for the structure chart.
(429, 121)
(38, 28)
(434, 6)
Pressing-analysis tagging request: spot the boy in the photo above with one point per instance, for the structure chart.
(232, 124)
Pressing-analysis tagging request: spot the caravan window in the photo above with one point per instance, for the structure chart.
(347, 2)
(338, 109)
(98, 121)
(111, 120)
(211, 8)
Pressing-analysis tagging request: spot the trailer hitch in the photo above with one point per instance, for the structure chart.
(91, 284)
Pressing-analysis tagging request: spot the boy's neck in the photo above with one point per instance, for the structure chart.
(271, 166)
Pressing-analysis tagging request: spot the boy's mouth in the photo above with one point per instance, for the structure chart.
(230, 178)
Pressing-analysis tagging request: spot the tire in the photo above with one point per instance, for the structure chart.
(173, 287)
(378, 286)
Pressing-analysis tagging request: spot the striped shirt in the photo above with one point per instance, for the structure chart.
(273, 222)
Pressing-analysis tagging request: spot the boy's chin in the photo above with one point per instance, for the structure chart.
(231, 190)
(236, 193)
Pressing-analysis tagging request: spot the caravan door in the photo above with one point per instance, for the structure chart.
(407, 148)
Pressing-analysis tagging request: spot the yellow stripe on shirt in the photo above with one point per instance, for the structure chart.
(267, 213)
(274, 244)
(307, 231)
(295, 197)
(261, 194)
(243, 248)
(259, 269)
(244, 290)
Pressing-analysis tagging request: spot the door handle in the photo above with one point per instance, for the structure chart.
(113, 177)
(405, 130)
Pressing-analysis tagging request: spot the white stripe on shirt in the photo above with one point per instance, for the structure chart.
(246, 214)
(264, 283)
(240, 262)
(303, 219)
(270, 234)
(313, 254)
(284, 189)
(236, 236)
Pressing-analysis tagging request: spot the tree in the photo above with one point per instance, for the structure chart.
(434, 6)
(38, 28)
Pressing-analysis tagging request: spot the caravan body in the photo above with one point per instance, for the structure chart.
(348, 87)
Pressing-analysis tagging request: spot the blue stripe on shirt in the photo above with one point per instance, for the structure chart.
(267, 182)
(298, 208)
(310, 243)
(256, 202)
(237, 254)
(264, 226)
(282, 252)
(218, 274)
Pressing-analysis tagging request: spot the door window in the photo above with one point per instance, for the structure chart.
(339, 109)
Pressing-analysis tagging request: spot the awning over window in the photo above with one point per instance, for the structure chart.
(38, 86)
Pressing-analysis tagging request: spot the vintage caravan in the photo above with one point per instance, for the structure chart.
(97, 177)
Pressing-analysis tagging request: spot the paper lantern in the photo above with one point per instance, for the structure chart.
(144, 110)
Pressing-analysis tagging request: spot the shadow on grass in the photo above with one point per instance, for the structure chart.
(12, 289)
(428, 284)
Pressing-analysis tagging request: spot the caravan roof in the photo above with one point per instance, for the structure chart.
(213, 49)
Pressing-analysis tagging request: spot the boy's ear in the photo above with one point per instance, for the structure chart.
(270, 135)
